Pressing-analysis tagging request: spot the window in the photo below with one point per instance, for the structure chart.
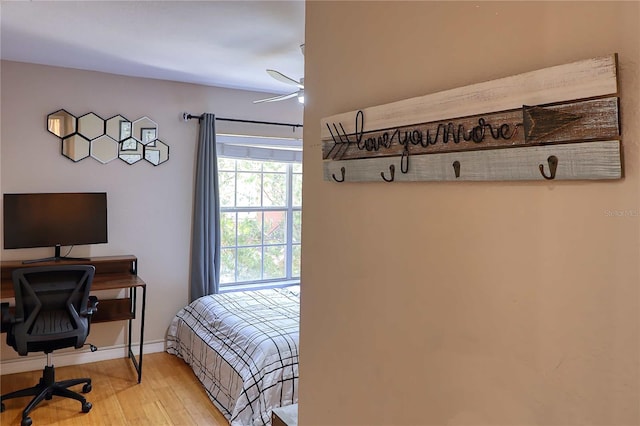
(260, 216)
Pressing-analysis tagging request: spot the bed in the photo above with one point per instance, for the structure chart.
(243, 347)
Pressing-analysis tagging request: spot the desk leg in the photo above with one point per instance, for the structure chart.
(144, 302)
(137, 363)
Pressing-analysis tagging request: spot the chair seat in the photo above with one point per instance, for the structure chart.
(52, 322)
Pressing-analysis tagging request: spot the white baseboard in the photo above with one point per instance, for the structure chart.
(61, 359)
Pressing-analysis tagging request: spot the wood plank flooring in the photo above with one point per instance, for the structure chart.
(170, 394)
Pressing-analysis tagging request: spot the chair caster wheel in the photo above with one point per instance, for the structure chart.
(2, 408)
(86, 388)
(26, 421)
(86, 407)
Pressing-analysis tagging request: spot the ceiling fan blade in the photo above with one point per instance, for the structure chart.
(277, 98)
(283, 78)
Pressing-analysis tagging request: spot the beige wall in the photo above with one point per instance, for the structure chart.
(149, 208)
(496, 303)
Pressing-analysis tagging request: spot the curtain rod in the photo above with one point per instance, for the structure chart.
(186, 116)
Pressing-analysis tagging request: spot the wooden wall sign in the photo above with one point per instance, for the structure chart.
(556, 123)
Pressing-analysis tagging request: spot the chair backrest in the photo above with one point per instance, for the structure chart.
(51, 307)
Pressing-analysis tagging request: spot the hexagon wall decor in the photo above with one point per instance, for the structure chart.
(89, 135)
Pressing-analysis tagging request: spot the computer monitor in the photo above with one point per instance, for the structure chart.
(54, 220)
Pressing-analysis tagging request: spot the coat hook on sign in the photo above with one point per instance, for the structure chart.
(333, 175)
(392, 169)
(456, 168)
(553, 166)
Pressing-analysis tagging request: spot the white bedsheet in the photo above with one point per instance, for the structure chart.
(243, 347)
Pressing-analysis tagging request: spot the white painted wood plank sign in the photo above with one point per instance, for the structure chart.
(556, 123)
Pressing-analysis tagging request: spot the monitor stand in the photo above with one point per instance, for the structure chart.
(55, 258)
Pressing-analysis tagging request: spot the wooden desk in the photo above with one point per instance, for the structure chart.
(112, 273)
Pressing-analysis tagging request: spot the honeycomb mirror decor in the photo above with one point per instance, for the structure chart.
(117, 137)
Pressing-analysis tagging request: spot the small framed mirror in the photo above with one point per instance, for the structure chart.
(75, 147)
(118, 128)
(144, 130)
(156, 152)
(61, 123)
(90, 126)
(104, 149)
(130, 151)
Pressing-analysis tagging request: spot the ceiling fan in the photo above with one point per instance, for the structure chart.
(287, 80)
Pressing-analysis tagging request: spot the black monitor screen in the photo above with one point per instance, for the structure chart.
(48, 220)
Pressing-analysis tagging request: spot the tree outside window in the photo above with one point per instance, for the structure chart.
(261, 221)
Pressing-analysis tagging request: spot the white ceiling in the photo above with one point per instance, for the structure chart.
(214, 43)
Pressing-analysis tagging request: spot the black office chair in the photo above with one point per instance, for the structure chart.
(53, 311)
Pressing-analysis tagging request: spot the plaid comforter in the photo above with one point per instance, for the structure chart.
(243, 347)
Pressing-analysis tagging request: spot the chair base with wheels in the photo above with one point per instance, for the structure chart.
(46, 389)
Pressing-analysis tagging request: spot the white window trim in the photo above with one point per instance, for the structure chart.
(259, 148)
(264, 149)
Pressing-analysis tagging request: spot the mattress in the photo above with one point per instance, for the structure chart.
(243, 347)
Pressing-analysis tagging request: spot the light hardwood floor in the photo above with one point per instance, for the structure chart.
(170, 394)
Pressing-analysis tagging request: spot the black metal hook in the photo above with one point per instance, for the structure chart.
(456, 168)
(553, 166)
(392, 169)
(333, 175)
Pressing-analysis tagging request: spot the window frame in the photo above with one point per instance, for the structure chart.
(288, 209)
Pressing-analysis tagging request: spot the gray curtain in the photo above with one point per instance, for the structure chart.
(205, 245)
